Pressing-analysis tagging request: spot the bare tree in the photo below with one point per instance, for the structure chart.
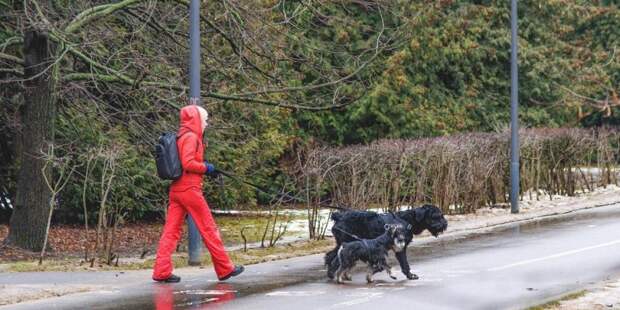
(55, 187)
(103, 233)
(90, 156)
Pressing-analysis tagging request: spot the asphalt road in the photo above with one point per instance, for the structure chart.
(509, 267)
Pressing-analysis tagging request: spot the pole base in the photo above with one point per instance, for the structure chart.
(194, 263)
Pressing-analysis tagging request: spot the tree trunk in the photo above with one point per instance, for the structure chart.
(28, 222)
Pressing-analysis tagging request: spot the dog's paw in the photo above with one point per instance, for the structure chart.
(412, 276)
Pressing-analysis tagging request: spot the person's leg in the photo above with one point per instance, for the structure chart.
(199, 210)
(169, 239)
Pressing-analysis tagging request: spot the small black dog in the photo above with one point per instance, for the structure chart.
(368, 225)
(371, 251)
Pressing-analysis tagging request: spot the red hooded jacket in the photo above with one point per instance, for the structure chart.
(189, 144)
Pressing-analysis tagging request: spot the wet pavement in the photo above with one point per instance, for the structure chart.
(508, 267)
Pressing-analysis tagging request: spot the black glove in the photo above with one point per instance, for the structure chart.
(211, 171)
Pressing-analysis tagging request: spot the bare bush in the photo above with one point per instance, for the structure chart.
(65, 168)
(458, 173)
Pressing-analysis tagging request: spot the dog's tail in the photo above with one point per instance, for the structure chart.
(330, 256)
(332, 263)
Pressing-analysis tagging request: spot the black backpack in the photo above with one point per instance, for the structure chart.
(167, 157)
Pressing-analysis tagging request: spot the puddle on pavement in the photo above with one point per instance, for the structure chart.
(205, 292)
(166, 298)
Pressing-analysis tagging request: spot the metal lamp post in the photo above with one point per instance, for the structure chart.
(194, 243)
(514, 113)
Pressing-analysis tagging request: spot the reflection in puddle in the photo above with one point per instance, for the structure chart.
(205, 292)
(164, 299)
(167, 299)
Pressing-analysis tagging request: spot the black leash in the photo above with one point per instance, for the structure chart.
(290, 198)
(349, 234)
(277, 195)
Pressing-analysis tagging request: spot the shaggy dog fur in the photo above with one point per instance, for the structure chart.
(369, 225)
(371, 251)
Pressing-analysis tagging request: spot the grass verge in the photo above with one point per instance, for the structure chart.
(555, 304)
(251, 256)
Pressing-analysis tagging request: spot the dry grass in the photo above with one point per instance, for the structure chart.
(555, 304)
(252, 256)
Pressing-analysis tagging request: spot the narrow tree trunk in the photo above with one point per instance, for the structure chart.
(28, 222)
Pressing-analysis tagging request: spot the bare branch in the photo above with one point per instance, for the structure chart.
(162, 85)
(377, 50)
(97, 12)
(13, 71)
(11, 58)
(11, 41)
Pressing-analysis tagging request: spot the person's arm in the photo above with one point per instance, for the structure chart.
(187, 153)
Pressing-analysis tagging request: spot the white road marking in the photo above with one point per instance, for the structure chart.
(427, 280)
(363, 298)
(534, 260)
(195, 303)
(108, 291)
(422, 281)
(386, 284)
(294, 293)
(458, 272)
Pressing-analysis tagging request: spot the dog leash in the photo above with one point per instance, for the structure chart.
(277, 195)
(364, 241)
(348, 234)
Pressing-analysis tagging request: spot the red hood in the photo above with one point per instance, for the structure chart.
(190, 121)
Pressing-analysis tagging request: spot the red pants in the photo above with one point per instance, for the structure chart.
(193, 202)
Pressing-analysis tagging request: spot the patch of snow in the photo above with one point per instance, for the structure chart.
(604, 296)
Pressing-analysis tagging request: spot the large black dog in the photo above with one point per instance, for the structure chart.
(371, 251)
(350, 225)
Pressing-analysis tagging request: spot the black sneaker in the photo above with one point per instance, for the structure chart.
(237, 271)
(171, 279)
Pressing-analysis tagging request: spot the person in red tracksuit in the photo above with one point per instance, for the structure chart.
(186, 197)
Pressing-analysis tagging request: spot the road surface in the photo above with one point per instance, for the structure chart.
(508, 267)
